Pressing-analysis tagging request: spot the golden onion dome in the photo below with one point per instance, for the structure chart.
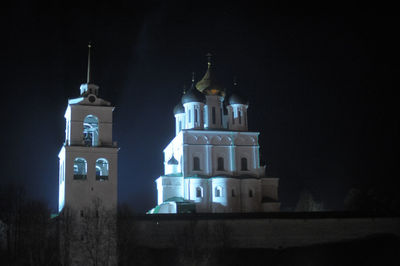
(208, 84)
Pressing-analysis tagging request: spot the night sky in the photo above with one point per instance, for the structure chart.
(320, 81)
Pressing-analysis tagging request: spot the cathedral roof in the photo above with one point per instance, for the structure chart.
(208, 84)
(179, 109)
(192, 95)
(235, 98)
(172, 161)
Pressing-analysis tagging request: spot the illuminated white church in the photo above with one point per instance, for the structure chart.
(212, 165)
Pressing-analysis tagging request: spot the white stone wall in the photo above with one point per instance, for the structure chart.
(79, 194)
(227, 201)
(237, 117)
(250, 195)
(191, 186)
(214, 102)
(169, 187)
(230, 145)
(278, 232)
(179, 123)
(194, 112)
(174, 148)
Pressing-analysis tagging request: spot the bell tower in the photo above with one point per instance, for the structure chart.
(89, 157)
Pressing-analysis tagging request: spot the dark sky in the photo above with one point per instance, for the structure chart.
(320, 80)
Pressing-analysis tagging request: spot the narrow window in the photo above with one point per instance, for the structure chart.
(180, 126)
(218, 192)
(220, 164)
(81, 213)
(199, 192)
(213, 115)
(101, 169)
(250, 193)
(80, 169)
(240, 117)
(233, 193)
(190, 114)
(221, 115)
(195, 115)
(233, 117)
(91, 130)
(196, 164)
(243, 164)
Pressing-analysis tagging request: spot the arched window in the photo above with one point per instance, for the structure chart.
(220, 164)
(199, 192)
(243, 164)
(101, 169)
(218, 192)
(80, 168)
(240, 116)
(251, 193)
(233, 193)
(91, 130)
(195, 115)
(196, 164)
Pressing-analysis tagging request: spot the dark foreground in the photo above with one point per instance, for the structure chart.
(374, 250)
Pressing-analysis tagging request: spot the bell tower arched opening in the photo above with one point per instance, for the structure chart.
(91, 130)
(80, 169)
(101, 169)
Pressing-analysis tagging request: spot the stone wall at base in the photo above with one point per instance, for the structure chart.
(279, 230)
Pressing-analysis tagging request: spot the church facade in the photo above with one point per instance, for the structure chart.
(212, 165)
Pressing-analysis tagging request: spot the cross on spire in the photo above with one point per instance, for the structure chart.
(209, 56)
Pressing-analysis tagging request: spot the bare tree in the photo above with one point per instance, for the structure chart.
(67, 236)
(30, 233)
(98, 235)
(307, 203)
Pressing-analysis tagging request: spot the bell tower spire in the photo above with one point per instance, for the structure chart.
(89, 88)
(88, 65)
